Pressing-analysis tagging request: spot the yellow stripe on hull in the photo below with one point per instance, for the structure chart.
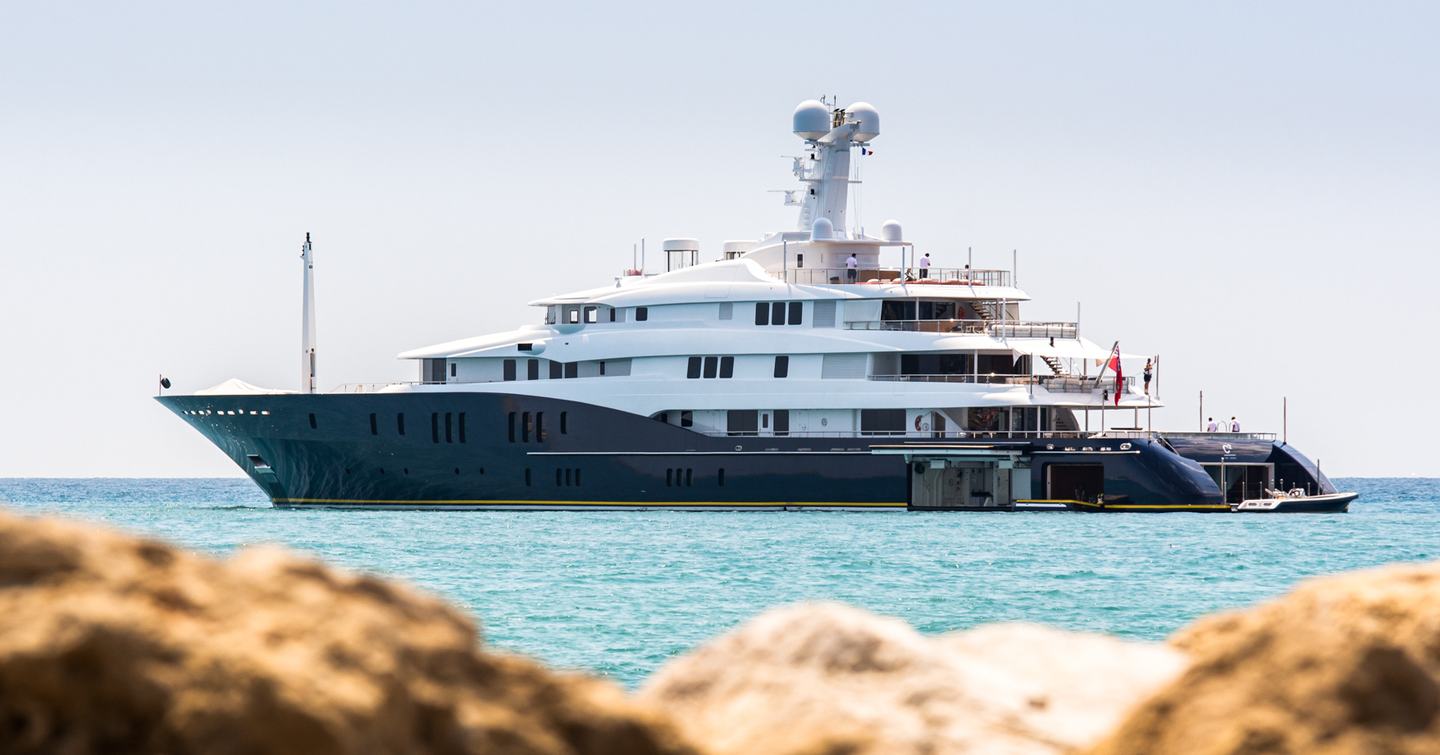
(1134, 506)
(747, 504)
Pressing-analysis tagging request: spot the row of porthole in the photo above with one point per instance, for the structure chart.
(226, 412)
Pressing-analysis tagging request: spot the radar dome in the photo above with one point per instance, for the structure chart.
(890, 231)
(812, 120)
(864, 113)
(822, 229)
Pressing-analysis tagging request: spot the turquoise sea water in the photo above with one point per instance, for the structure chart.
(619, 593)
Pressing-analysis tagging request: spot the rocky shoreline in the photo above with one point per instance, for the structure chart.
(111, 643)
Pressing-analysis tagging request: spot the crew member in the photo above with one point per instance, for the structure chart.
(852, 268)
(1212, 426)
(1148, 374)
(925, 266)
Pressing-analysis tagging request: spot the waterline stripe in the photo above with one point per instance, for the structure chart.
(768, 504)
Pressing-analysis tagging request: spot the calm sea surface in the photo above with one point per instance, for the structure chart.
(619, 593)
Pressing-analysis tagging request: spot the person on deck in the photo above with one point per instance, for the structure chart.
(1234, 425)
(852, 268)
(1212, 426)
(1148, 374)
(925, 266)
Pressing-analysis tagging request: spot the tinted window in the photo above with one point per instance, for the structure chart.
(590, 314)
(782, 366)
(712, 365)
(782, 421)
(727, 367)
(572, 369)
(556, 370)
(742, 421)
(796, 311)
(692, 370)
(509, 369)
(882, 420)
(762, 313)
(687, 418)
(532, 369)
(642, 314)
(777, 313)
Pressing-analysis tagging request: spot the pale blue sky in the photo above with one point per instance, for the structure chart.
(1250, 189)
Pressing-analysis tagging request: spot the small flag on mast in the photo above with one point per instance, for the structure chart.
(1114, 363)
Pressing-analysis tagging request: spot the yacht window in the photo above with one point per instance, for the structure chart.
(782, 366)
(572, 316)
(509, 369)
(687, 418)
(797, 308)
(434, 427)
(564, 426)
(612, 314)
(897, 309)
(550, 313)
(882, 421)
(692, 370)
(727, 367)
(539, 426)
(453, 366)
(556, 370)
(525, 427)
(527, 346)
(669, 476)
(374, 428)
(742, 422)
(782, 421)
(449, 427)
(591, 315)
(663, 417)
(799, 260)
(642, 314)
(312, 420)
(777, 313)
(532, 369)
(762, 313)
(511, 424)
(764, 422)
(462, 427)
(400, 424)
(711, 366)
(572, 369)
(602, 366)
(720, 477)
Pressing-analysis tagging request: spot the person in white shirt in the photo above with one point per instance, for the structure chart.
(1213, 426)
(852, 271)
(1234, 425)
(925, 266)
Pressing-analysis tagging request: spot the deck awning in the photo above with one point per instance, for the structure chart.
(1064, 348)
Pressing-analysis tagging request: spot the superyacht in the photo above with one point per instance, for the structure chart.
(814, 368)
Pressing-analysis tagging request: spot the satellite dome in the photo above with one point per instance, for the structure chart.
(890, 231)
(864, 113)
(812, 120)
(822, 229)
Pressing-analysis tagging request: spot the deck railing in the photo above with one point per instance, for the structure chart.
(935, 276)
(996, 328)
(1060, 383)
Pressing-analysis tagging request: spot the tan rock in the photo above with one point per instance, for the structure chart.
(1347, 664)
(114, 644)
(819, 678)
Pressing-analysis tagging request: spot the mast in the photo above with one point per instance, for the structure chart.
(307, 321)
(830, 133)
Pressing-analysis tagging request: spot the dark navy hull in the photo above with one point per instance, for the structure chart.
(459, 450)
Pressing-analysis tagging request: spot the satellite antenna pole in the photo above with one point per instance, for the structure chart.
(307, 321)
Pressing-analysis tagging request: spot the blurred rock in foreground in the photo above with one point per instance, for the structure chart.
(1346, 664)
(830, 678)
(114, 644)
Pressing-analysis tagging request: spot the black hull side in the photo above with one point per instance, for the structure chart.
(457, 452)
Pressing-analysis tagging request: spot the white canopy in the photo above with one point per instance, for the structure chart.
(1065, 348)
(238, 387)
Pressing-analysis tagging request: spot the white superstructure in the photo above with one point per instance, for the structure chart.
(807, 331)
